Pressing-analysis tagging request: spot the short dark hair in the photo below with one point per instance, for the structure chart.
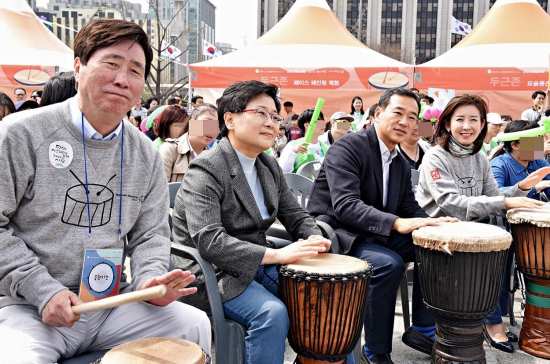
(172, 101)
(372, 110)
(58, 89)
(441, 132)
(101, 33)
(430, 99)
(198, 111)
(386, 96)
(20, 88)
(538, 92)
(195, 98)
(147, 103)
(238, 95)
(38, 93)
(281, 127)
(288, 104)
(294, 117)
(6, 103)
(506, 117)
(305, 117)
(172, 114)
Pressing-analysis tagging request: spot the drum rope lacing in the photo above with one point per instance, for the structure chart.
(309, 276)
(478, 340)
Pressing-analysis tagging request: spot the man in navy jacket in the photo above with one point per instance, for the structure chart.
(364, 192)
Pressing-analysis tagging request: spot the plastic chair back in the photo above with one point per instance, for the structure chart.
(300, 186)
(173, 188)
(309, 170)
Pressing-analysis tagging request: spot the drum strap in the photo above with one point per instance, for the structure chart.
(538, 301)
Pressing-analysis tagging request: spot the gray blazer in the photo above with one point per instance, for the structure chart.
(216, 213)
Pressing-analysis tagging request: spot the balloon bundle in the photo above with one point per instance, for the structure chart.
(147, 123)
(432, 114)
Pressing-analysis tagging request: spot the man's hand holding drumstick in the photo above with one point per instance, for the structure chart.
(314, 245)
(58, 311)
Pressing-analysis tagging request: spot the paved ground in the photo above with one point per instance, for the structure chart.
(403, 354)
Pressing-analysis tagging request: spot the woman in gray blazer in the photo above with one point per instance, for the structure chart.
(230, 196)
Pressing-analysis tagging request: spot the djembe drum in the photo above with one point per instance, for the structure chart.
(325, 297)
(461, 267)
(531, 232)
(155, 350)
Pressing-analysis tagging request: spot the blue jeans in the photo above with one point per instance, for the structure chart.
(501, 308)
(388, 262)
(265, 317)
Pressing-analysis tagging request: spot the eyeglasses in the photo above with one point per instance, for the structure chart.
(19, 95)
(276, 118)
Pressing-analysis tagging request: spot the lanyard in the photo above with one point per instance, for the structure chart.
(416, 156)
(86, 180)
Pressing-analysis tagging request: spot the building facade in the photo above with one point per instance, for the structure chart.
(414, 31)
(193, 21)
(32, 4)
(202, 26)
(128, 10)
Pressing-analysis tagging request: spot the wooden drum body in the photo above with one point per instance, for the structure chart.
(155, 350)
(326, 298)
(531, 232)
(461, 267)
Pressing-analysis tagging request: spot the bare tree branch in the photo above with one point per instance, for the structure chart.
(393, 50)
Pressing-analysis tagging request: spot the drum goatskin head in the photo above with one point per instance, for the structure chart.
(157, 350)
(328, 263)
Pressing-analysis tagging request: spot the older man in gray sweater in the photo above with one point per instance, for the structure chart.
(76, 177)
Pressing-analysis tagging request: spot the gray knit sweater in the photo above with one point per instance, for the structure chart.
(43, 217)
(461, 187)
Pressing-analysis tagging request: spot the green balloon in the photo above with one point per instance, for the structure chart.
(531, 133)
(154, 114)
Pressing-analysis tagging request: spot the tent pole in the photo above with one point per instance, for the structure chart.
(360, 20)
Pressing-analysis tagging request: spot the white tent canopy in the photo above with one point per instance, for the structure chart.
(308, 53)
(27, 41)
(514, 33)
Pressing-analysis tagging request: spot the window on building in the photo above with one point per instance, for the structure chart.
(463, 10)
(392, 14)
(426, 30)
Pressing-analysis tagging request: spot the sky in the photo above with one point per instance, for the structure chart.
(235, 20)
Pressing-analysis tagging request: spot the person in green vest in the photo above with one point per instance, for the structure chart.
(297, 152)
(340, 125)
(490, 144)
(357, 112)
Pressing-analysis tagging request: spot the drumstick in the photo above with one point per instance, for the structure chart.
(110, 302)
